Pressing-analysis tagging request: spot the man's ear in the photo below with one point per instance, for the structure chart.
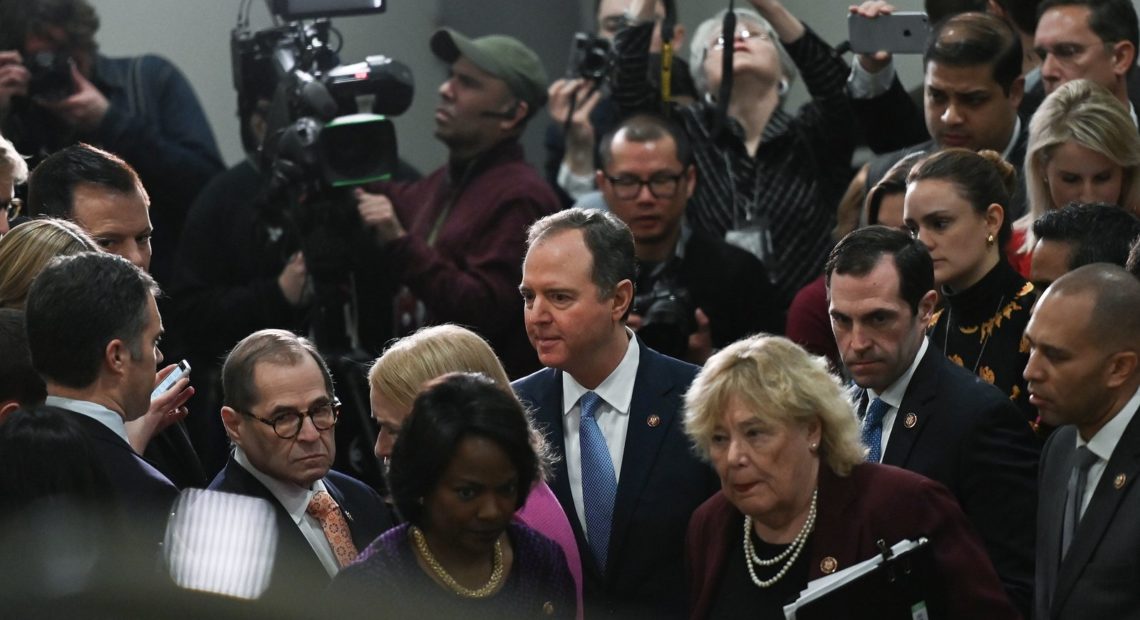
(1017, 91)
(678, 37)
(231, 419)
(517, 113)
(1121, 367)
(926, 306)
(623, 297)
(1123, 57)
(115, 357)
(690, 176)
(7, 408)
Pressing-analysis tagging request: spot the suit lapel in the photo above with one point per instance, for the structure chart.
(1050, 517)
(642, 442)
(1125, 461)
(914, 411)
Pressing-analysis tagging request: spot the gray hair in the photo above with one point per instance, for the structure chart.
(11, 162)
(698, 47)
(608, 239)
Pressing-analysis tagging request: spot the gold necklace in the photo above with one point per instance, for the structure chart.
(486, 590)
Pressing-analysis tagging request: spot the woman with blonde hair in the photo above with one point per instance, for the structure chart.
(398, 377)
(26, 250)
(797, 502)
(1083, 147)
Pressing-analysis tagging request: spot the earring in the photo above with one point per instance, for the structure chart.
(813, 447)
(990, 239)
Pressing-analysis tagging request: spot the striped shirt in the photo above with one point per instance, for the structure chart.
(799, 172)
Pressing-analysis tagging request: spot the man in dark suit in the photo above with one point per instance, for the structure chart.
(612, 407)
(972, 89)
(1084, 377)
(93, 332)
(647, 177)
(924, 413)
(279, 412)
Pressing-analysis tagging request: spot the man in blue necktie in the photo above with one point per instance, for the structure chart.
(922, 412)
(612, 408)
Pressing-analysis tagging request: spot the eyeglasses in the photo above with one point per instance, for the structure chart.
(742, 33)
(662, 185)
(287, 425)
(12, 207)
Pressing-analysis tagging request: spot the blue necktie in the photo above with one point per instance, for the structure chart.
(873, 429)
(599, 483)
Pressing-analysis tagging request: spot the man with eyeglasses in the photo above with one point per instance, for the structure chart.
(13, 171)
(280, 412)
(1095, 40)
(691, 296)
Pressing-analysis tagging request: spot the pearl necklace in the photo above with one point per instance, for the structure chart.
(791, 553)
(486, 590)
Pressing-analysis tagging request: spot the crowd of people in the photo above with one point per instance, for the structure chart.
(708, 358)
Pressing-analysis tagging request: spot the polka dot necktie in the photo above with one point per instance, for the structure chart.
(873, 429)
(324, 508)
(599, 482)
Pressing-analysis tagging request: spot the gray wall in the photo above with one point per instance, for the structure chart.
(195, 35)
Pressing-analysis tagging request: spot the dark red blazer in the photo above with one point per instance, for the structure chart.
(875, 501)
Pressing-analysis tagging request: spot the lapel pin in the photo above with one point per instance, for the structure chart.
(828, 565)
(910, 420)
(653, 421)
(1119, 481)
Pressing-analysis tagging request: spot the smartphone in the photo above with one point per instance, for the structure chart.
(179, 371)
(904, 32)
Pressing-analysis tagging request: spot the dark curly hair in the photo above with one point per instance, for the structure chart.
(77, 18)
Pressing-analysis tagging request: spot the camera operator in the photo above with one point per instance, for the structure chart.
(456, 239)
(571, 146)
(56, 89)
(694, 292)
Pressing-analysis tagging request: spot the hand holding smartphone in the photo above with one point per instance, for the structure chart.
(179, 371)
(904, 32)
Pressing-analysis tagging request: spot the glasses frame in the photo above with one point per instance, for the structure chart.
(623, 185)
(308, 413)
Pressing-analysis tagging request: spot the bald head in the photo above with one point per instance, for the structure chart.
(1114, 296)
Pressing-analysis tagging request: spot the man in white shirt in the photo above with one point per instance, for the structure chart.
(280, 412)
(921, 411)
(612, 409)
(1084, 376)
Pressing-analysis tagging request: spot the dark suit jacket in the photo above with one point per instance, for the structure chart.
(1098, 577)
(855, 511)
(970, 437)
(733, 288)
(143, 492)
(297, 572)
(660, 485)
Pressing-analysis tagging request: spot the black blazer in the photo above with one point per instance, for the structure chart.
(1098, 577)
(297, 572)
(661, 483)
(954, 428)
(144, 494)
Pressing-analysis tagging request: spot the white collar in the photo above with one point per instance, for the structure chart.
(1013, 139)
(1105, 440)
(616, 390)
(894, 393)
(294, 499)
(95, 411)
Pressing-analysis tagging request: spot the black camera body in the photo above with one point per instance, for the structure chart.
(591, 57)
(667, 318)
(49, 76)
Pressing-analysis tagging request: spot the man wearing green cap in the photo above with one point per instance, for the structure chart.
(456, 238)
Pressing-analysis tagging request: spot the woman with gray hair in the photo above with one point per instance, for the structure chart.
(13, 171)
(770, 180)
(781, 435)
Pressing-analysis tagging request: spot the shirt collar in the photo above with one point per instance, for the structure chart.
(616, 390)
(893, 395)
(294, 499)
(1013, 138)
(95, 411)
(1104, 441)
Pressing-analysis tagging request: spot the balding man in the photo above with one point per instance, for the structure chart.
(1084, 377)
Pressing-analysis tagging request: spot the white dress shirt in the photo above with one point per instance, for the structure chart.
(893, 396)
(1103, 443)
(616, 393)
(295, 501)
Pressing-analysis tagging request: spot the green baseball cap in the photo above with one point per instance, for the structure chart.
(503, 57)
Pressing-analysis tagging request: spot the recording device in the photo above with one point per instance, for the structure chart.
(905, 32)
(666, 311)
(181, 370)
(591, 57)
(308, 9)
(49, 76)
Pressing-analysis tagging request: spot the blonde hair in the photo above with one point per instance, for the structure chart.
(26, 250)
(1086, 114)
(410, 362)
(780, 382)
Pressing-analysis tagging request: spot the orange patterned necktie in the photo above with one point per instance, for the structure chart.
(325, 509)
